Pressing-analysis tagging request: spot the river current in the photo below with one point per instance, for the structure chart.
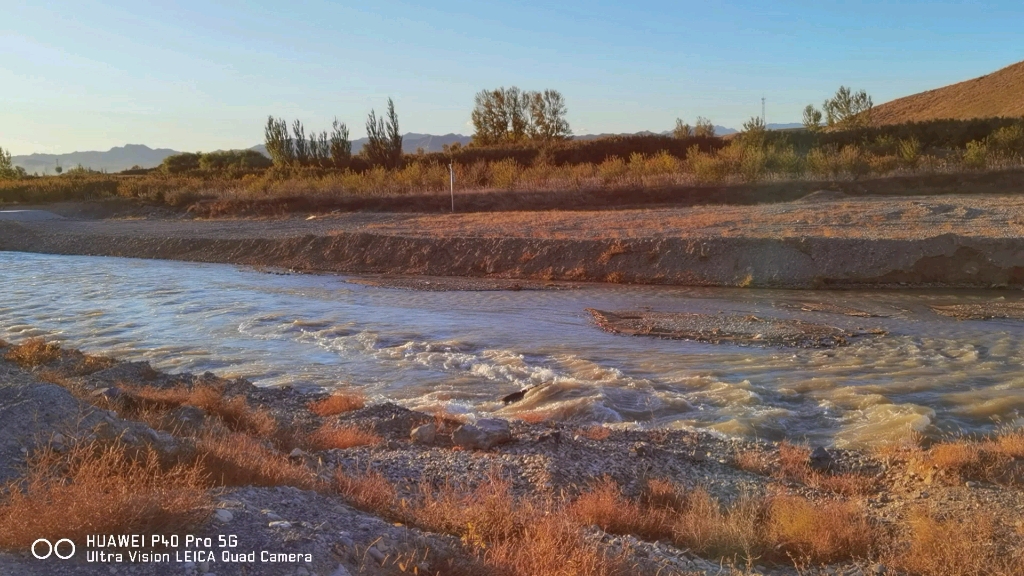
(463, 351)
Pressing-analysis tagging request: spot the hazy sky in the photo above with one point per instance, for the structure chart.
(204, 75)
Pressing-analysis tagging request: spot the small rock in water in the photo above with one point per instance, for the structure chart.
(487, 432)
(821, 460)
(223, 516)
(516, 396)
(424, 434)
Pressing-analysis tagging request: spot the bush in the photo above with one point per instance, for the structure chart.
(975, 155)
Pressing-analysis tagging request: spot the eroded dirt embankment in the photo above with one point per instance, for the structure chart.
(834, 243)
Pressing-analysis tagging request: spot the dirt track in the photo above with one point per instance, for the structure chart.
(975, 241)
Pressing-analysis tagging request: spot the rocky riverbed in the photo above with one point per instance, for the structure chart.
(54, 398)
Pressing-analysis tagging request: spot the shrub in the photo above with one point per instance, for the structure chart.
(337, 403)
(33, 352)
(975, 155)
(95, 489)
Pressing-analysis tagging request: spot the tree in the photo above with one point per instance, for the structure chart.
(547, 116)
(510, 115)
(8, 171)
(278, 143)
(301, 146)
(340, 146)
(704, 128)
(682, 129)
(812, 118)
(754, 131)
(383, 140)
(847, 110)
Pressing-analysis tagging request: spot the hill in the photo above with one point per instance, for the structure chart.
(114, 160)
(1000, 93)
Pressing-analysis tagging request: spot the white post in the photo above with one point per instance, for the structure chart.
(451, 174)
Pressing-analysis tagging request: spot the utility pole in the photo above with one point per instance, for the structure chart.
(763, 119)
(451, 176)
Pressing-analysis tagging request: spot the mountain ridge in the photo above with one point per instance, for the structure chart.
(125, 157)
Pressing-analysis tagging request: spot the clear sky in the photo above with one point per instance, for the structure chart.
(204, 75)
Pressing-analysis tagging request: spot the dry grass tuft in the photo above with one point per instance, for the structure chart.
(236, 459)
(995, 459)
(794, 466)
(596, 433)
(337, 403)
(331, 436)
(33, 352)
(963, 546)
(94, 489)
(525, 536)
(234, 412)
(606, 507)
(819, 532)
(368, 491)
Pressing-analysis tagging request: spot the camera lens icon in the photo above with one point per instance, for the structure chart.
(43, 549)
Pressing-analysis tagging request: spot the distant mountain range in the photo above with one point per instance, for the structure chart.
(124, 157)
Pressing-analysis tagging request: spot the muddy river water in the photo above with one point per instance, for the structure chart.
(463, 351)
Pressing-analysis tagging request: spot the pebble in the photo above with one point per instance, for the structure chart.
(223, 516)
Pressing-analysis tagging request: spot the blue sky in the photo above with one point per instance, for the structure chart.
(204, 75)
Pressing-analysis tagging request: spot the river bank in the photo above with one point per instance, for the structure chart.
(825, 241)
(378, 489)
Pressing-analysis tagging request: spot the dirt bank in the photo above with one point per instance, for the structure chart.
(838, 242)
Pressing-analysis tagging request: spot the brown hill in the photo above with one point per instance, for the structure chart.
(1000, 93)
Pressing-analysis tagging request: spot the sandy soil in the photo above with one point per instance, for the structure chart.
(827, 240)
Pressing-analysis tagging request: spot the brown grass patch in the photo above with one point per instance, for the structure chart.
(33, 352)
(235, 412)
(525, 536)
(330, 436)
(794, 466)
(236, 459)
(821, 531)
(605, 506)
(596, 433)
(94, 489)
(961, 546)
(337, 403)
(368, 491)
(995, 459)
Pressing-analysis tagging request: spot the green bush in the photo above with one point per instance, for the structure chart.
(975, 155)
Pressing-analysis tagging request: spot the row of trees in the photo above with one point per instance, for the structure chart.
(334, 149)
(847, 110)
(295, 149)
(510, 115)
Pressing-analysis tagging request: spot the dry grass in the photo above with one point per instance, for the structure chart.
(95, 489)
(596, 433)
(605, 506)
(995, 459)
(33, 352)
(235, 412)
(819, 532)
(793, 465)
(236, 459)
(970, 545)
(338, 403)
(524, 536)
(368, 491)
(340, 436)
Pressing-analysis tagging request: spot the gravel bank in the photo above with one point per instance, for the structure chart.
(828, 243)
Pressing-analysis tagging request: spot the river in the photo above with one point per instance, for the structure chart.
(463, 351)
